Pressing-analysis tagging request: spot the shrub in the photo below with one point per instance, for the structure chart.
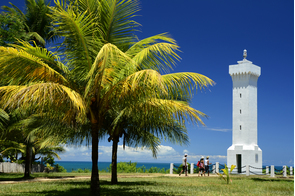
(60, 168)
(48, 168)
(129, 167)
(141, 169)
(80, 170)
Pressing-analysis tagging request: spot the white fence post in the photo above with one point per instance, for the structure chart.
(291, 170)
(171, 168)
(284, 171)
(192, 168)
(267, 170)
(213, 169)
(247, 170)
(272, 171)
(217, 167)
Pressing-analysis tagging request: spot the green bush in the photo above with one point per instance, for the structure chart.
(80, 170)
(141, 169)
(60, 168)
(129, 167)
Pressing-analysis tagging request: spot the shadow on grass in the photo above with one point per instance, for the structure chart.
(273, 179)
(12, 177)
(122, 189)
(20, 177)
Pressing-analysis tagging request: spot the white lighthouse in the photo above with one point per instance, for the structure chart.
(244, 149)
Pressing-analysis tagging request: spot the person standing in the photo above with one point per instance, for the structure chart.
(184, 165)
(201, 167)
(207, 165)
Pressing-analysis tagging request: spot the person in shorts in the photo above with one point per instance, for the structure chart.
(201, 167)
(207, 165)
(184, 166)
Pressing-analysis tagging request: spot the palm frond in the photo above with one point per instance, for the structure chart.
(109, 67)
(144, 139)
(116, 21)
(184, 83)
(79, 31)
(4, 118)
(44, 95)
(48, 57)
(157, 52)
(30, 68)
(15, 10)
(37, 37)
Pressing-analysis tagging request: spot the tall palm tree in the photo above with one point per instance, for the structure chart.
(158, 121)
(97, 75)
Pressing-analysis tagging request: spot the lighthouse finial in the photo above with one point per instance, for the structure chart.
(245, 54)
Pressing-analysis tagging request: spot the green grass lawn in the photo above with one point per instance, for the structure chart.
(154, 184)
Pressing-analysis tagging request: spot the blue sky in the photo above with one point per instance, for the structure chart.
(212, 35)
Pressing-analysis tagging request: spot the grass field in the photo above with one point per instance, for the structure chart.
(151, 184)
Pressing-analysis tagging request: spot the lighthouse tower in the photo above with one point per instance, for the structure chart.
(244, 149)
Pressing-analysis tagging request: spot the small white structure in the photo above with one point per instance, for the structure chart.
(244, 150)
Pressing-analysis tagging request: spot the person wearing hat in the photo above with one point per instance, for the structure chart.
(207, 165)
(201, 167)
(184, 166)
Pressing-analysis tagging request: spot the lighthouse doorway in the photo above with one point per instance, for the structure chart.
(239, 163)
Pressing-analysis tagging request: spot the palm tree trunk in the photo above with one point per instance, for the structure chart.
(28, 161)
(114, 160)
(95, 189)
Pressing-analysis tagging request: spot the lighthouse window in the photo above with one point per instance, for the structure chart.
(240, 95)
(256, 158)
(240, 111)
(240, 127)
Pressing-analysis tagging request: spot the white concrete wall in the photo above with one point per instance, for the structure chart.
(248, 158)
(7, 167)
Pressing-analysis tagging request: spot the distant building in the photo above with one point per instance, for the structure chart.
(244, 149)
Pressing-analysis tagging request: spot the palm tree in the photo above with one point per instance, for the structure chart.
(97, 75)
(154, 120)
(36, 20)
(30, 135)
(12, 28)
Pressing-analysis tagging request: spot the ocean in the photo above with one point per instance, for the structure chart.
(74, 165)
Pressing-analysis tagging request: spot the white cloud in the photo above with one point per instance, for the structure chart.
(76, 149)
(185, 151)
(217, 129)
